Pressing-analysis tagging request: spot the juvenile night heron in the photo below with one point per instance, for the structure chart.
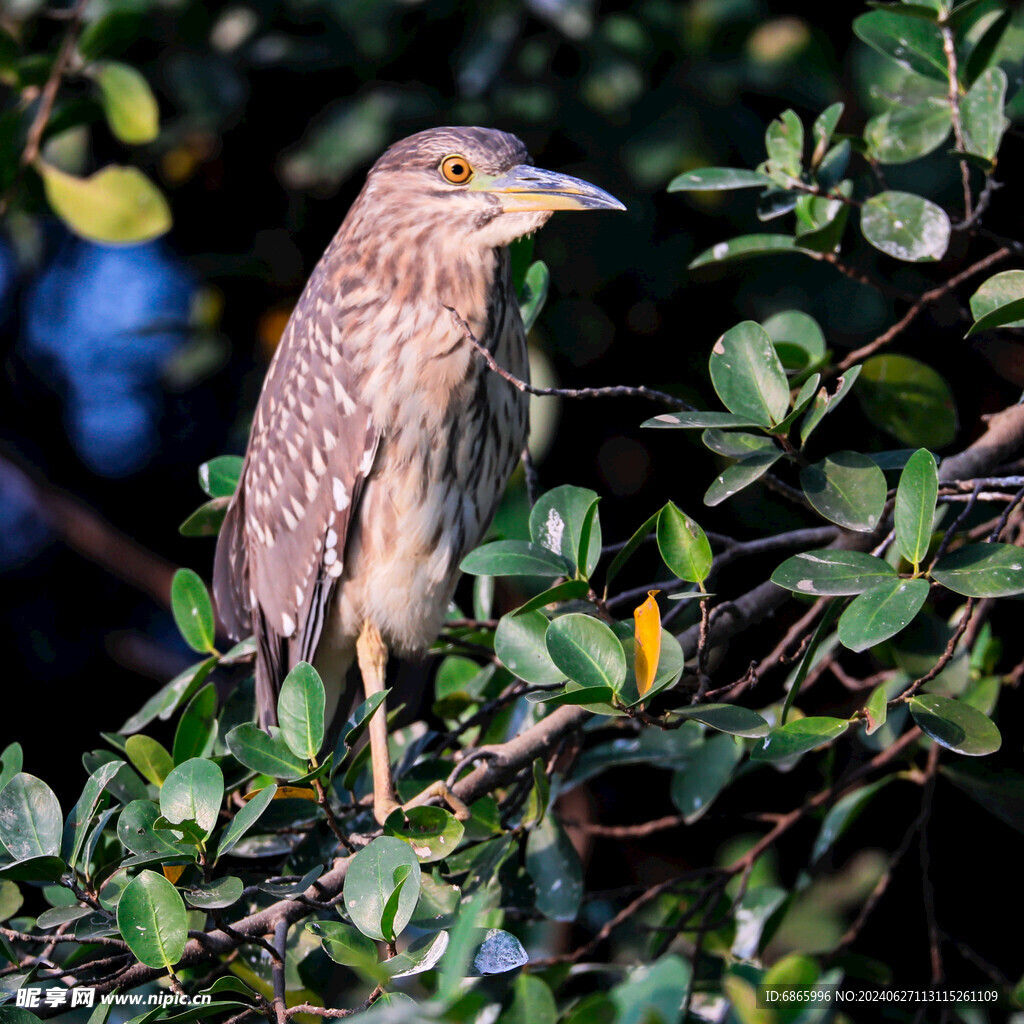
(382, 440)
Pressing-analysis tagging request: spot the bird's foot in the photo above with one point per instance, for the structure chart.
(437, 791)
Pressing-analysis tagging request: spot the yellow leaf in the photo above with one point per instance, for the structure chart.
(172, 872)
(647, 631)
(295, 793)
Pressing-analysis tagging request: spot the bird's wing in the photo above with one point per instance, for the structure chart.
(282, 546)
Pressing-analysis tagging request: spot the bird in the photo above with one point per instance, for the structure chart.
(382, 441)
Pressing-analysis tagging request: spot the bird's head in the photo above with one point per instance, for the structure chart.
(477, 185)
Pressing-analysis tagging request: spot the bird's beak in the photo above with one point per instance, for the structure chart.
(532, 188)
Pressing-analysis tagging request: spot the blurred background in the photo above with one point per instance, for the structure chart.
(123, 368)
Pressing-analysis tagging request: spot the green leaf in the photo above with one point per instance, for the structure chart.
(514, 558)
(629, 548)
(554, 866)
(881, 612)
(219, 477)
(955, 725)
(300, 711)
(998, 790)
(150, 757)
(197, 729)
(987, 46)
(193, 611)
(982, 570)
(913, 43)
(745, 247)
(842, 815)
(214, 895)
(876, 709)
(129, 103)
(532, 1003)
(151, 918)
(909, 400)
(136, 831)
(727, 718)
(358, 721)
(193, 792)
(86, 808)
(741, 474)
(914, 511)
(707, 772)
(520, 646)
(735, 444)
(717, 179)
(30, 818)
(747, 374)
(798, 331)
(798, 737)
(244, 820)
(803, 399)
(557, 522)
(905, 133)
(846, 488)
(832, 573)
(207, 520)
(109, 35)
(347, 946)
(371, 881)
(264, 754)
(683, 545)
(822, 130)
(574, 694)
(982, 112)
(168, 698)
(697, 420)
(824, 403)
(432, 832)
(997, 300)
(586, 650)
(114, 205)
(570, 590)
(11, 760)
(784, 141)
(905, 226)
(653, 992)
(534, 294)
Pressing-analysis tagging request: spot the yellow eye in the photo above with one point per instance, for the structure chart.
(456, 169)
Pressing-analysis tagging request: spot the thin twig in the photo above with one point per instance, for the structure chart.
(949, 48)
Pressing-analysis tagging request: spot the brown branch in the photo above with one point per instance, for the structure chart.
(926, 299)
(638, 831)
(949, 48)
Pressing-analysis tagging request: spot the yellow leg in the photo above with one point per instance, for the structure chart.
(373, 659)
(372, 655)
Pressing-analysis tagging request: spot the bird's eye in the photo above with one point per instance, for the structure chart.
(456, 169)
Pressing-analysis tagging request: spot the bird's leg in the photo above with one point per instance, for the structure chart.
(373, 658)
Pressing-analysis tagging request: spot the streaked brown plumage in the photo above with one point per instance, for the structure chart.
(382, 442)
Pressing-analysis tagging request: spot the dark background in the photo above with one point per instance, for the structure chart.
(123, 369)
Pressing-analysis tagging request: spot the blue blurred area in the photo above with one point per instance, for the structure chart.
(99, 323)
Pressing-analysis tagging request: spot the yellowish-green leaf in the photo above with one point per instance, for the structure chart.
(128, 103)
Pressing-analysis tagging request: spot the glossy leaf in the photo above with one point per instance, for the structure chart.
(683, 545)
(745, 247)
(876, 709)
(114, 205)
(846, 488)
(698, 420)
(197, 729)
(586, 650)
(372, 880)
(913, 43)
(264, 754)
(909, 131)
(826, 402)
(798, 737)
(995, 302)
(151, 918)
(11, 760)
(432, 832)
(207, 520)
(193, 611)
(914, 510)
(557, 522)
(136, 831)
(784, 141)
(801, 332)
(347, 946)
(86, 808)
(224, 892)
(514, 558)
(30, 818)
(735, 444)
(520, 646)
(905, 226)
(909, 400)
(570, 590)
(881, 612)
(554, 865)
(982, 570)
(717, 179)
(219, 477)
(842, 815)
(193, 792)
(707, 772)
(955, 725)
(129, 103)
(300, 711)
(982, 113)
(727, 718)
(747, 374)
(149, 757)
(741, 474)
(829, 573)
(647, 642)
(245, 818)
(822, 130)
